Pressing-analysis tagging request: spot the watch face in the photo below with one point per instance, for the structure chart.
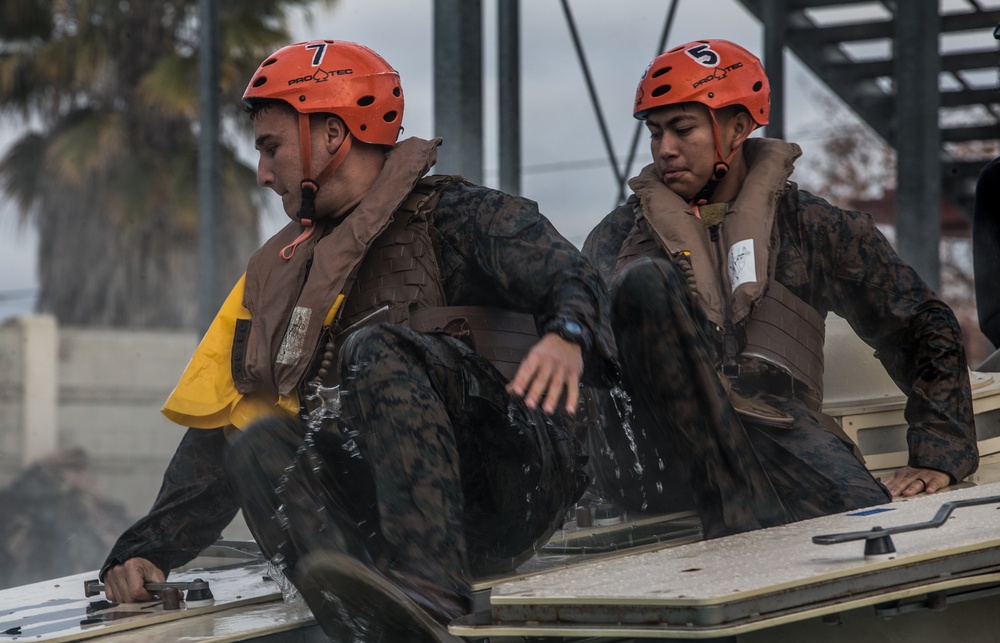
(573, 328)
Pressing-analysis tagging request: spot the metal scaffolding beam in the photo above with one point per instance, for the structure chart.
(509, 93)
(917, 138)
(209, 163)
(458, 87)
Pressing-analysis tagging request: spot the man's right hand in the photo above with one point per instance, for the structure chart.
(125, 583)
(553, 365)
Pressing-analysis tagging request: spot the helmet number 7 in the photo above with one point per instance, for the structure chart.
(320, 48)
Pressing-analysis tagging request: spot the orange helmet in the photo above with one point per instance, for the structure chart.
(716, 73)
(336, 77)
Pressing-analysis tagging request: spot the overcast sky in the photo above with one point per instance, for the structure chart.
(558, 122)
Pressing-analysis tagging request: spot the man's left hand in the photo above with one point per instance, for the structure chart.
(550, 367)
(909, 481)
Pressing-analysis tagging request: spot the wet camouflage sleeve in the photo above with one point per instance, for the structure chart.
(498, 250)
(606, 239)
(838, 260)
(986, 249)
(192, 508)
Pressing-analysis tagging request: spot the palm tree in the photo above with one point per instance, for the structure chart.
(108, 171)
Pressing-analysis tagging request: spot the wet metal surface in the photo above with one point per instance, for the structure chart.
(57, 610)
(756, 573)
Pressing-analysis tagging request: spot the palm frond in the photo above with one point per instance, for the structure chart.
(21, 90)
(26, 20)
(85, 147)
(171, 86)
(21, 172)
(111, 180)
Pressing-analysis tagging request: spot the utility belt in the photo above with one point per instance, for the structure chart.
(783, 357)
(501, 336)
(788, 334)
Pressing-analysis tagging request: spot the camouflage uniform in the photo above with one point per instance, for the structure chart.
(685, 433)
(986, 249)
(431, 471)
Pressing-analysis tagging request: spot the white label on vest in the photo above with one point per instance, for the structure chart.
(742, 265)
(291, 345)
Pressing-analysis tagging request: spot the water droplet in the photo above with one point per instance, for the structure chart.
(624, 406)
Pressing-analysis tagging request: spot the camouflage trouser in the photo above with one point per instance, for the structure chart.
(742, 475)
(430, 472)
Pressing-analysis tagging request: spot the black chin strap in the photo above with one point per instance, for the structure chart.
(705, 193)
(307, 209)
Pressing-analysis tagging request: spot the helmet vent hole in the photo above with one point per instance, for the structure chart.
(390, 116)
(661, 71)
(269, 61)
(396, 92)
(757, 86)
(260, 81)
(363, 127)
(365, 101)
(661, 90)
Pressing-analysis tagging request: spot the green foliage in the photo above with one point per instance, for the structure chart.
(26, 19)
(109, 92)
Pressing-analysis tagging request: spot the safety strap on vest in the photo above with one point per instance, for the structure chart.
(501, 336)
(787, 332)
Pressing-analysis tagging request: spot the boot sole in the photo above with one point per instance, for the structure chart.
(348, 598)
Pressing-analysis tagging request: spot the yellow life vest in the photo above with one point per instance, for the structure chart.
(206, 397)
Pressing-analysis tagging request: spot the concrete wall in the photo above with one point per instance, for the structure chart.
(100, 390)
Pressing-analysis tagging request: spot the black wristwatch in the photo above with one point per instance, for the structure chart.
(570, 330)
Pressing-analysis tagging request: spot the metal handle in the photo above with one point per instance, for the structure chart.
(880, 532)
(95, 587)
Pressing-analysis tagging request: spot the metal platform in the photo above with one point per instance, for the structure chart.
(759, 580)
(247, 606)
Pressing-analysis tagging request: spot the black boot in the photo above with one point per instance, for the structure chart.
(355, 602)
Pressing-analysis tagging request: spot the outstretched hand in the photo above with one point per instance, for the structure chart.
(125, 583)
(909, 481)
(553, 365)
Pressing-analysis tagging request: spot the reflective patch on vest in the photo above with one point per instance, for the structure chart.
(742, 264)
(291, 345)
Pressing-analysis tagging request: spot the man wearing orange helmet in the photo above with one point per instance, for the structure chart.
(986, 242)
(374, 395)
(986, 249)
(722, 272)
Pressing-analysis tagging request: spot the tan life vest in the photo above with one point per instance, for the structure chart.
(384, 256)
(241, 369)
(400, 282)
(780, 333)
(399, 274)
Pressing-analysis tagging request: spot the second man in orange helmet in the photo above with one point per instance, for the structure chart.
(722, 273)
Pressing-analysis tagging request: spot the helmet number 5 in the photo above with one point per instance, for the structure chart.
(703, 55)
(320, 48)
